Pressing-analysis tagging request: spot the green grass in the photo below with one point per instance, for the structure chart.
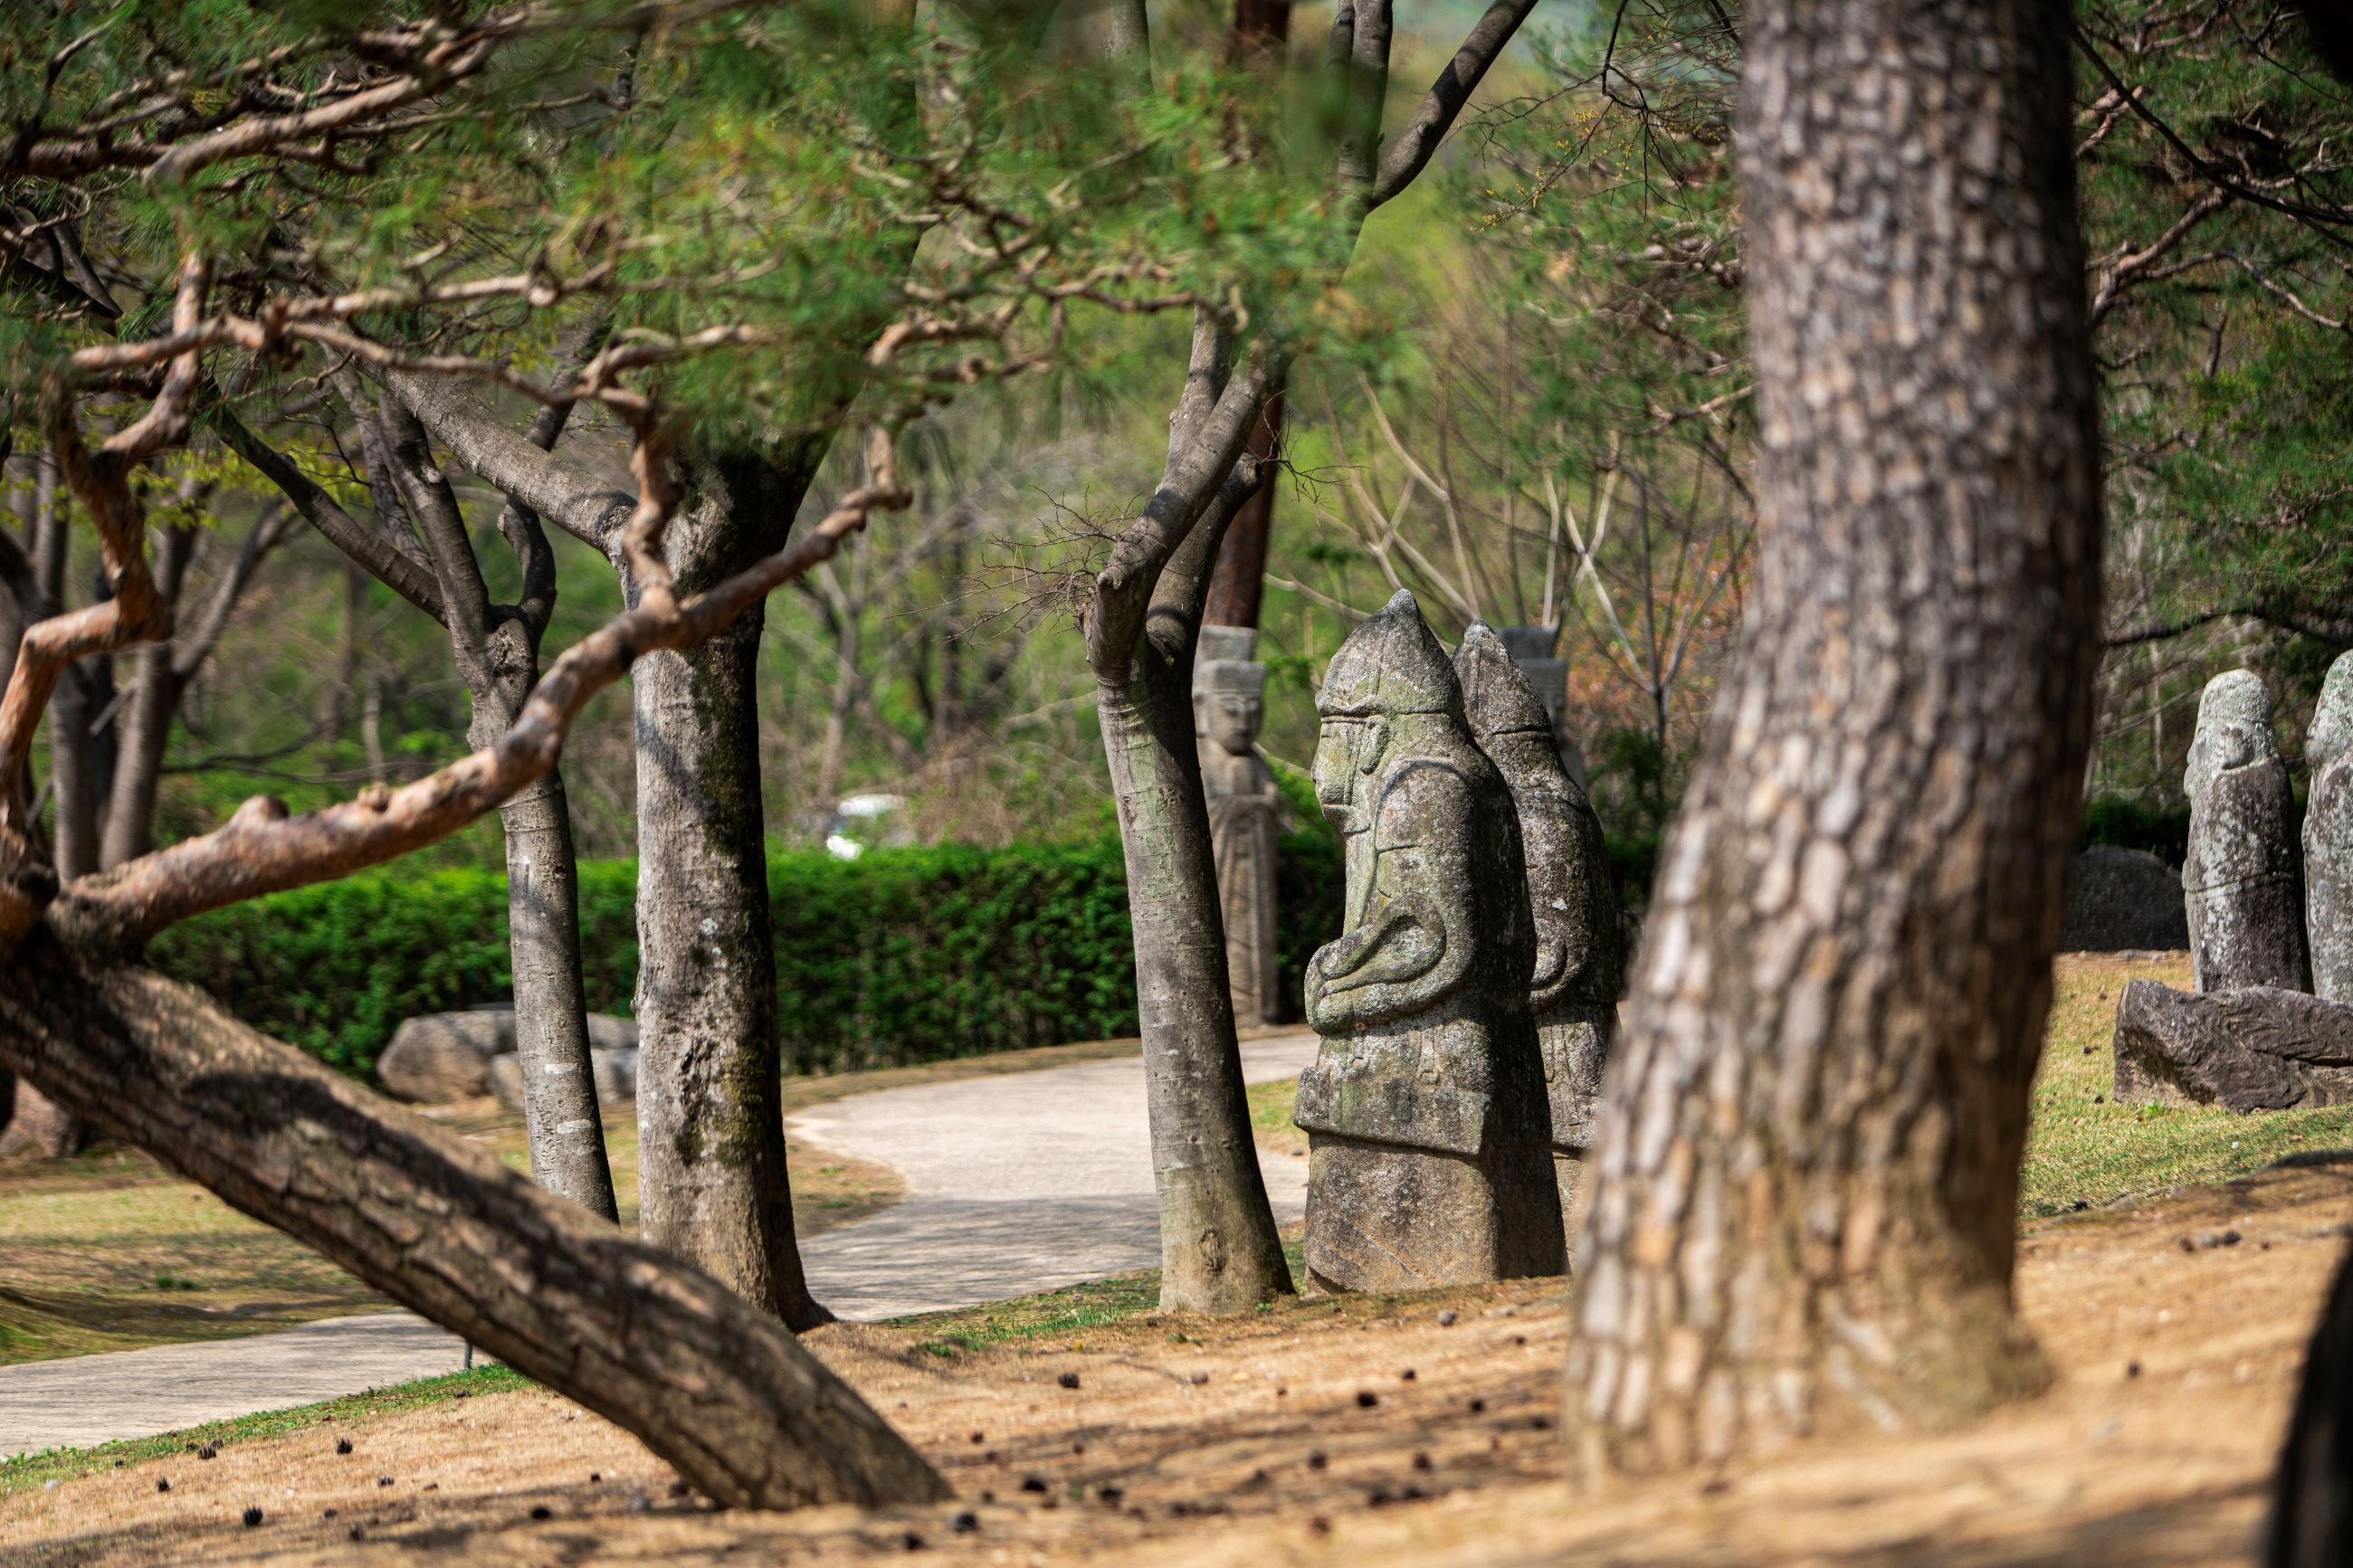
(1062, 1314)
(23, 1471)
(2083, 1150)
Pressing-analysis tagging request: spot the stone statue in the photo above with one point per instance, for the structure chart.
(1228, 701)
(1573, 992)
(1531, 648)
(2328, 837)
(1428, 1133)
(2243, 885)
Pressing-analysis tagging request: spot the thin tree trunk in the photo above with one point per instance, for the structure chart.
(566, 1128)
(1805, 1209)
(496, 651)
(443, 1227)
(1239, 584)
(1219, 1251)
(713, 1186)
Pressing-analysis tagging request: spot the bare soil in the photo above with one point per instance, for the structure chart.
(1250, 1440)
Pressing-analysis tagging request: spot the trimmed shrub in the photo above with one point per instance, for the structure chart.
(899, 956)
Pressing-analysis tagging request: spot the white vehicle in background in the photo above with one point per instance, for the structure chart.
(863, 822)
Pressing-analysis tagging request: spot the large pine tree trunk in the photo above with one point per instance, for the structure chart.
(708, 1381)
(712, 1179)
(1806, 1202)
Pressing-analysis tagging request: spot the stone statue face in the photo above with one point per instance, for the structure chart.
(1347, 753)
(2234, 730)
(1228, 718)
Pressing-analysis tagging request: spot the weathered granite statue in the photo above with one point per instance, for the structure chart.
(1428, 1135)
(1573, 990)
(2328, 837)
(1228, 703)
(2243, 885)
(1531, 648)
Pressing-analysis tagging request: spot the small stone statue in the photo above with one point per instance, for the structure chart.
(1531, 650)
(1573, 992)
(2328, 837)
(1228, 703)
(1427, 1129)
(2243, 885)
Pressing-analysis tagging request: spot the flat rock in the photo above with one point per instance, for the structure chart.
(2256, 1048)
(617, 1075)
(441, 1057)
(437, 1057)
(2123, 900)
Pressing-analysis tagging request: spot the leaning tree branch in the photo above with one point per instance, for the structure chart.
(1410, 149)
(135, 611)
(372, 548)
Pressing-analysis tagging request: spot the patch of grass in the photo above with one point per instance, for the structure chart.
(1269, 1109)
(1062, 1314)
(23, 1472)
(2083, 1150)
(110, 1251)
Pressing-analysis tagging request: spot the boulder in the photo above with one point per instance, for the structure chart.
(2123, 900)
(2257, 1048)
(441, 1057)
(616, 1070)
(437, 1057)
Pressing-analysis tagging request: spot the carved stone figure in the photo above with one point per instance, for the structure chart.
(1531, 648)
(1573, 989)
(2328, 837)
(2253, 1049)
(1229, 703)
(1429, 1132)
(2243, 885)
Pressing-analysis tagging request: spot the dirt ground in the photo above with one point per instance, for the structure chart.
(1247, 1441)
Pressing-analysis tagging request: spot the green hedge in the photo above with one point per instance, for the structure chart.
(902, 956)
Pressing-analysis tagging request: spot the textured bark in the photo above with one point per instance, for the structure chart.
(712, 1169)
(2312, 1502)
(1219, 1247)
(441, 1225)
(1804, 1201)
(1238, 584)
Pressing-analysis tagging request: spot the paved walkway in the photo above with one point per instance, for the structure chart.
(1015, 1185)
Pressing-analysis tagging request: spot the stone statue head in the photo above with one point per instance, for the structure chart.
(1389, 680)
(2234, 729)
(1228, 703)
(1497, 698)
(2332, 721)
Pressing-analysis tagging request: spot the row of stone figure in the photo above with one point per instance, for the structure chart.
(2262, 913)
(1467, 1005)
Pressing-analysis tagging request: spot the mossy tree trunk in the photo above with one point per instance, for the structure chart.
(1805, 1209)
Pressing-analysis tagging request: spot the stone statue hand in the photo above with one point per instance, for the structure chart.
(1397, 964)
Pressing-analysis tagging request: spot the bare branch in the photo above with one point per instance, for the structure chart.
(1410, 153)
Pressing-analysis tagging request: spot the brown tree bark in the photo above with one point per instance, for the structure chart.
(2312, 1500)
(1238, 586)
(1806, 1204)
(710, 1382)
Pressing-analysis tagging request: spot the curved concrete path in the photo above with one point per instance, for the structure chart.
(1015, 1185)
(1018, 1184)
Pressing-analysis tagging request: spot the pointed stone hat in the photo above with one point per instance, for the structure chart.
(1392, 664)
(1496, 696)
